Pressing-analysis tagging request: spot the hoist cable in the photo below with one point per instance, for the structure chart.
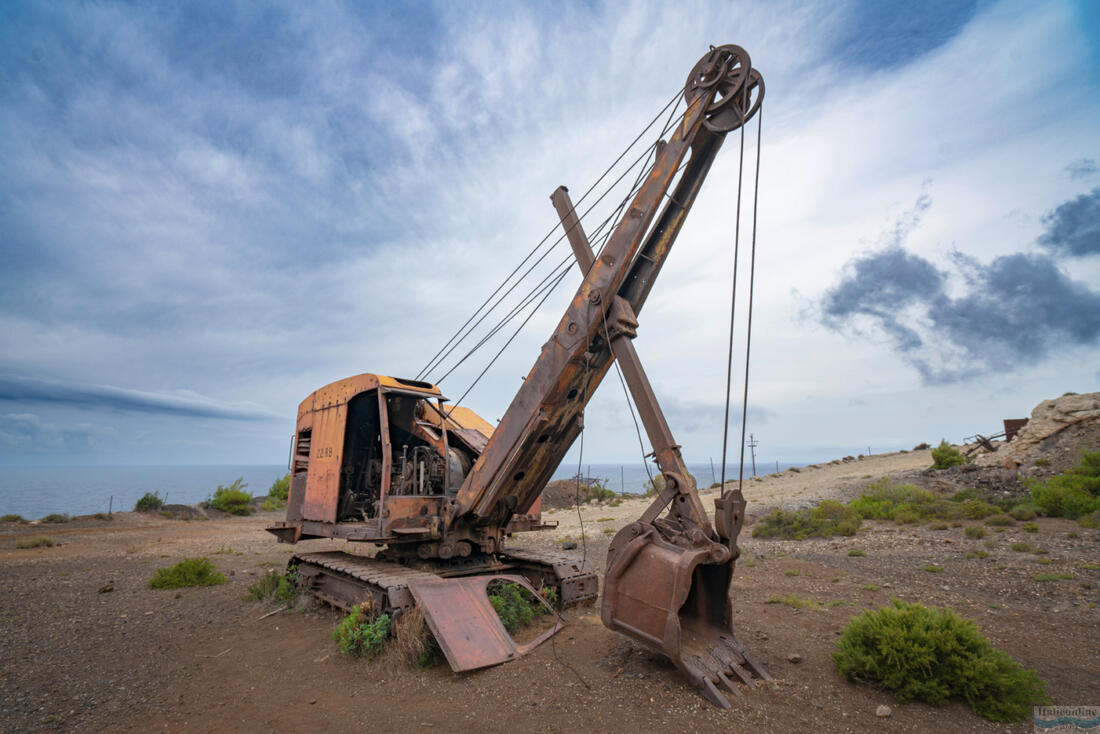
(752, 269)
(733, 309)
(436, 357)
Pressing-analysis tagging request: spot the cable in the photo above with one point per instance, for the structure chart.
(733, 310)
(752, 269)
(437, 357)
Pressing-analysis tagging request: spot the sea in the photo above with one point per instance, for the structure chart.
(34, 492)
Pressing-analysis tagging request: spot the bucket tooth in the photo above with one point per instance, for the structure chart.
(712, 694)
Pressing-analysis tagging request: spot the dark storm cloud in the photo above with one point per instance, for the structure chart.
(19, 389)
(1015, 310)
(1073, 228)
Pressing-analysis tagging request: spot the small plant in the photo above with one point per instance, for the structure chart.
(188, 572)
(1072, 536)
(990, 544)
(976, 554)
(1089, 567)
(1052, 576)
(37, 541)
(1073, 493)
(654, 486)
(857, 553)
(1045, 561)
(361, 634)
(938, 526)
(794, 602)
(275, 585)
(280, 489)
(1091, 521)
(946, 456)
(934, 655)
(999, 521)
(1031, 527)
(13, 518)
(1021, 547)
(1042, 462)
(975, 531)
(1023, 511)
(932, 568)
(824, 521)
(271, 505)
(791, 572)
(103, 516)
(869, 587)
(923, 446)
(55, 518)
(232, 499)
(515, 606)
(149, 502)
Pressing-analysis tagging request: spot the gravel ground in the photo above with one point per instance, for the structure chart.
(88, 647)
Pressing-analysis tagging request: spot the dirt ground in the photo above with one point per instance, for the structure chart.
(87, 646)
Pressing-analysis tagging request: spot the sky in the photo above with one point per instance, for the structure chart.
(209, 211)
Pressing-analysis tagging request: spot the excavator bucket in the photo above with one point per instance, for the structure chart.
(670, 590)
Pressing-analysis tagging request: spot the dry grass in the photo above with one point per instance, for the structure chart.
(412, 644)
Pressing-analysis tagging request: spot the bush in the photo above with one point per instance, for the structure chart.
(934, 655)
(1020, 547)
(654, 486)
(38, 541)
(232, 499)
(857, 553)
(1074, 493)
(923, 446)
(946, 456)
(55, 518)
(824, 521)
(13, 518)
(999, 521)
(1031, 527)
(515, 606)
(275, 585)
(188, 572)
(1023, 511)
(361, 635)
(149, 502)
(975, 531)
(280, 489)
(1092, 520)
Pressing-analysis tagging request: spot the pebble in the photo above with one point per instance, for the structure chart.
(883, 711)
(794, 658)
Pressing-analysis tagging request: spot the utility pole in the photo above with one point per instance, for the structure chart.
(753, 443)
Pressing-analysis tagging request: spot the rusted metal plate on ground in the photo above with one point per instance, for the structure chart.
(465, 624)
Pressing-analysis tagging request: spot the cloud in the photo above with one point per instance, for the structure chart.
(1016, 309)
(32, 390)
(1073, 228)
(27, 432)
(1081, 168)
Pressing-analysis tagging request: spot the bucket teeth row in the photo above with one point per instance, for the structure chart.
(723, 660)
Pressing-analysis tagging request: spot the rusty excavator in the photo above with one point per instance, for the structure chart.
(387, 461)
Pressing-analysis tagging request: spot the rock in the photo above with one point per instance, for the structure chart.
(794, 658)
(569, 545)
(883, 711)
(1048, 418)
(108, 587)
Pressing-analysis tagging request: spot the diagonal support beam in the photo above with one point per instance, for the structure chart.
(665, 448)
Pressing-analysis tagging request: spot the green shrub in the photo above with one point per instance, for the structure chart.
(103, 516)
(280, 489)
(1091, 520)
(966, 494)
(975, 531)
(275, 585)
(946, 456)
(232, 499)
(1031, 527)
(271, 505)
(1052, 576)
(55, 517)
(1020, 547)
(976, 554)
(188, 572)
(977, 509)
(515, 606)
(934, 655)
(938, 526)
(149, 502)
(654, 486)
(1023, 511)
(361, 635)
(1042, 462)
(923, 446)
(932, 568)
(37, 541)
(597, 490)
(1073, 493)
(857, 553)
(823, 521)
(13, 518)
(999, 521)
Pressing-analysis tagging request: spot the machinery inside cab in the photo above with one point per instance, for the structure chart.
(381, 452)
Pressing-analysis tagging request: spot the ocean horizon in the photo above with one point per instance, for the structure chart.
(34, 492)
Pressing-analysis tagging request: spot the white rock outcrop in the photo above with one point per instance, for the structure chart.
(1048, 418)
